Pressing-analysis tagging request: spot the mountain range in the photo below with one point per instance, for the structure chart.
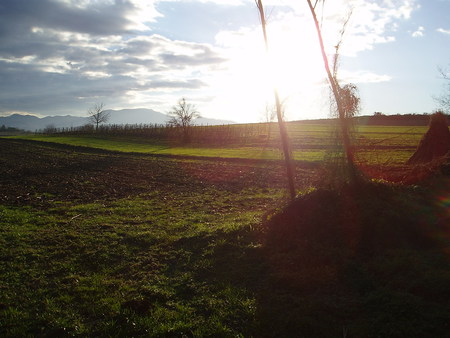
(124, 116)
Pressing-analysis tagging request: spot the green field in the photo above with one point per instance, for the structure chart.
(121, 243)
(309, 142)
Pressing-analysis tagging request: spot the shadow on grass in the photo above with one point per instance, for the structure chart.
(365, 261)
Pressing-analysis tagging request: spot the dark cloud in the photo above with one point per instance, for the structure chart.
(24, 88)
(203, 56)
(31, 27)
(185, 84)
(17, 17)
(138, 47)
(58, 57)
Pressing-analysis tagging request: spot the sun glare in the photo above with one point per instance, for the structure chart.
(293, 67)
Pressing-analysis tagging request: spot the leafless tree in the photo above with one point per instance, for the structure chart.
(269, 113)
(98, 114)
(345, 96)
(444, 99)
(182, 115)
(50, 129)
(268, 116)
(348, 93)
(283, 132)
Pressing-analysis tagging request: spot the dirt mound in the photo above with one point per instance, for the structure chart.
(435, 143)
(365, 259)
(364, 219)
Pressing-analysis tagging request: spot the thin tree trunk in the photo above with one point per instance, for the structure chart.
(335, 88)
(282, 126)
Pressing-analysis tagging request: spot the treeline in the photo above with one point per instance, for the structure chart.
(395, 120)
(212, 135)
(4, 130)
(380, 119)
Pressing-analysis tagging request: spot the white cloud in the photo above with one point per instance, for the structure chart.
(443, 31)
(144, 11)
(419, 32)
(360, 77)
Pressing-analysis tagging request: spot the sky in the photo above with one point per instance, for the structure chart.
(60, 57)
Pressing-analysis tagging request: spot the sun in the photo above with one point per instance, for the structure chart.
(296, 72)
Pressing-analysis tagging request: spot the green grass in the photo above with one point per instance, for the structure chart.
(181, 250)
(119, 245)
(310, 142)
(138, 146)
(133, 266)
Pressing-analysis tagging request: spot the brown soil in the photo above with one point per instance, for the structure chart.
(33, 173)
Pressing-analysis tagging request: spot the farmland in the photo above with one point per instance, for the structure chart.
(100, 237)
(309, 142)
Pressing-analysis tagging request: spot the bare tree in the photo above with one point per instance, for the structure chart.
(348, 93)
(283, 132)
(97, 114)
(341, 94)
(50, 129)
(182, 115)
(444, 99)
(269, 113)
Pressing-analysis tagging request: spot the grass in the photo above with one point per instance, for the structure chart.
(132, 266)
(140, 257)
(310, 143)
(118, 245)
(138, 146)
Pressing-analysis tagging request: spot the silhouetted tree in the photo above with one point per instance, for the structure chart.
(50, 129)
(351, 102)
(279, 109)
(97, 114)
(269, 113)
(444, 99)
(346, 99)
(182, 115)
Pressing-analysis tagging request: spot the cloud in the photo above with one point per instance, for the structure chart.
(217, 2)
(443, 31)
(419, 32)
(360, 77)
(298, 68)
(373, 23)
(176, 84)
(57, 55)
(92, 17)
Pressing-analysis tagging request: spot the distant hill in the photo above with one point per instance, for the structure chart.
(124, 116)
(32, 123)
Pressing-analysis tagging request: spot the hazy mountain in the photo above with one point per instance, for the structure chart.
(124, 116)
(136, 116)
(207, 121)
(32, 123)
(150, 116)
